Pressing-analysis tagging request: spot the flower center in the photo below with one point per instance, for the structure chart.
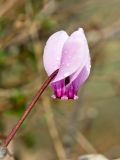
(64, 91)
(67, 80)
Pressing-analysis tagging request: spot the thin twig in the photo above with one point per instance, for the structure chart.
(7, 6)
(53, 131)
(37, 47)
(85, 144)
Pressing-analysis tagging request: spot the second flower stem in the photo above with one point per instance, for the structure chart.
(29, 108)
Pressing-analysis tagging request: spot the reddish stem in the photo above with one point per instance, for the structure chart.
(29, 108)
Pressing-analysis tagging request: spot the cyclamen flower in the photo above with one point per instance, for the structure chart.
(69, 54)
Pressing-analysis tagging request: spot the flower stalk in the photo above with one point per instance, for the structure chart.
(27, 111)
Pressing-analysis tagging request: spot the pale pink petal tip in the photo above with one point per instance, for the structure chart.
(64, 98)
(53, 96)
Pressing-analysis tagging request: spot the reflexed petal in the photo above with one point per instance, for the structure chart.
(53, 51)
(75, 54)
(86, 69)
(80, 79)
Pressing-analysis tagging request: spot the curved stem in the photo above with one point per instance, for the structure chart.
(29, 108)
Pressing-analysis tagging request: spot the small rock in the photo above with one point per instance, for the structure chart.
(92, 157)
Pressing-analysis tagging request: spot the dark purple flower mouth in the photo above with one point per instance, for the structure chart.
(62, 90)
(71, 55)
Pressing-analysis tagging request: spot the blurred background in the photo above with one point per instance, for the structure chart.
(60, 130)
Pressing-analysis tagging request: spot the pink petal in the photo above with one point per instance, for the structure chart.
(86, 71)
(74, 55)
(53, 51)
(80, 79)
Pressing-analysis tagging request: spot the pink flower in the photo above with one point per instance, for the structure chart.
(69, 54)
